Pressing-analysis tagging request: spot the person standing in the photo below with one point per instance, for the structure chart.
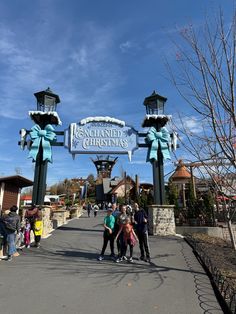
(38, 229)
(12, 226)
(32, 214)
(109, 223)
(130, 239)
(140, 223)
(95, 210)
(89, 208)
(115, 210)
(27, 229)
(121, 220)
(116, 213)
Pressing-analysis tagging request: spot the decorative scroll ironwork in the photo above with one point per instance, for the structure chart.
(222, 283)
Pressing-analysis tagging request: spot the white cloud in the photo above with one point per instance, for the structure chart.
(190, 124)
(125, 46)
(85, 66)
(128, 46)
(81, 57)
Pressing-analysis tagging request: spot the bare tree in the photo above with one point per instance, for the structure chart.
(205, 78)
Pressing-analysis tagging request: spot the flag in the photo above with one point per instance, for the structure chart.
(84, 189)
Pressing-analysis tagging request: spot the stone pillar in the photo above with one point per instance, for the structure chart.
(47, 222)
(59, 218)
(74, 213)
(161, 220)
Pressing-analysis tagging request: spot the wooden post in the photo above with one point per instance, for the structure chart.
(193, 182)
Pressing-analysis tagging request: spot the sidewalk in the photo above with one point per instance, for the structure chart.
(64, 276)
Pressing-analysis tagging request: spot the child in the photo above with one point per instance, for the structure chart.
(27, 233)
(20, 239)
(130, 239)
(38, 230)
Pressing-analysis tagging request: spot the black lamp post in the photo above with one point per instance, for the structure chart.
(46, 114)
(156, 118)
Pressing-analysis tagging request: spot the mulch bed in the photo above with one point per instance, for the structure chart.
(221, 254)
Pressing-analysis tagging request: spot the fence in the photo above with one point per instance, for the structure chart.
(223, 284)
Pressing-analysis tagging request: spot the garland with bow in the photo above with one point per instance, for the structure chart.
(45, 137)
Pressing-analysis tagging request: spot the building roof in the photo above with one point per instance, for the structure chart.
(146, 186)
(106, 185)
(115, 181)
(122, 182)
(17, 180)
(181, 172)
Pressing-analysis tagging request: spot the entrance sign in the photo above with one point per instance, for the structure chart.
(101, 135)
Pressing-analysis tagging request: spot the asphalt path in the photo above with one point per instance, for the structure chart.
(64, 277)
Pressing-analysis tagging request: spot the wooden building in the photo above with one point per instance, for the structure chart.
(10, 190)
(181, 178)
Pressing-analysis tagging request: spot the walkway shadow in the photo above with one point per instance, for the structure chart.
(86, 255)
(84, 262)
(65, 228)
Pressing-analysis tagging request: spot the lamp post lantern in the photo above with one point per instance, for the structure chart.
(158, 139)
(47, 101)
(154, 104)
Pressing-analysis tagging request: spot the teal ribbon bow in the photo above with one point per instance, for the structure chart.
(158, 139)
(45, 137)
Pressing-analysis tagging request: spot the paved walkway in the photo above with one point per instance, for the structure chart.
(64, 277)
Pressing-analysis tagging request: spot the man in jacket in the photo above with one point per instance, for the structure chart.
(140, 224)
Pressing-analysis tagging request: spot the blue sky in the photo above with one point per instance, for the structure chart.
(101, 57)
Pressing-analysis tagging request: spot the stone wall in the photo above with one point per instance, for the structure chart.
(219, 232)
(59, 218)
(161, 220)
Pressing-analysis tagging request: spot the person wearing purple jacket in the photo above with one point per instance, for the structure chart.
(140, 224)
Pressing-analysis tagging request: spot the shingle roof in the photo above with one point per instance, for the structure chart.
(20, 181)
(181, 172)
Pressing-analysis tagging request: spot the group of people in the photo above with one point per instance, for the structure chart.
(126, 226)
(13, 229)
(89, 207)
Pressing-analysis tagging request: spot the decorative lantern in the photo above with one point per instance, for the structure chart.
(155, 111)
(154, 104)
(47, 101)
(46, 108)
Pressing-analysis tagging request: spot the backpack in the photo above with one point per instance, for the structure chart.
(10, 224)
